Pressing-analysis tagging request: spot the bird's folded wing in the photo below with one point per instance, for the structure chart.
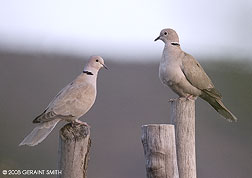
(196, 75)
(68, 103)
(73, 100)
(47, 116)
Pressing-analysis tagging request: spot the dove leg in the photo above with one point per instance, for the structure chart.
(172, 100)
(182, 98)
(190, 97)
(80, 122)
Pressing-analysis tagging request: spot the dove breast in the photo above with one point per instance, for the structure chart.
(171, 74)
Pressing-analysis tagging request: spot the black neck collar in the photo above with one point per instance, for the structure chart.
(87, 72)
(175, 44)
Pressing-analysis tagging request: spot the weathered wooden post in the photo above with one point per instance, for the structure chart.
(183, 117)
(74, 146)
(160, 151)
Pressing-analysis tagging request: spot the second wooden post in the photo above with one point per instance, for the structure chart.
(183, 117)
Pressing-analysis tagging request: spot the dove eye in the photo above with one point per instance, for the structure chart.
(97, 60)
(165, 33)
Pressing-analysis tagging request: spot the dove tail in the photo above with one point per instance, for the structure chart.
(225, 112)
(39, 133)
(218, 105)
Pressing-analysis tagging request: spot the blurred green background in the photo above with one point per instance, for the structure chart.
(129, 95)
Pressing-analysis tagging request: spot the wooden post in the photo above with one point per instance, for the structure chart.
(160, 151)
(183, 117)
(74, 146)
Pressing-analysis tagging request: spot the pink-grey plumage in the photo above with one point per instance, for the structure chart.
(72, 102)
(185, 76)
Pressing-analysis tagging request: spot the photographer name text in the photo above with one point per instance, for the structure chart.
(31, 172)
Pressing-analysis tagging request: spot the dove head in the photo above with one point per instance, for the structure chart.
(95, 63)
(168, 35)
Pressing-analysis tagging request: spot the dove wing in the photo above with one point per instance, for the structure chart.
(72, 101)
(196, 75)
(75, 100)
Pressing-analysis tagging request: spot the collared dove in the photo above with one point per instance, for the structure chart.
(69, 104)
(185, 76)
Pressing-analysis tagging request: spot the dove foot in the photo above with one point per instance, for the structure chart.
(79, 122)
(183, 98)
(191, 97)
(172, 100)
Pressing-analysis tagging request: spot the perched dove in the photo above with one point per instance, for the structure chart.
(185, 76)
(70, 103)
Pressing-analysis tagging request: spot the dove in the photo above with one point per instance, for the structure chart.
(185, 76)
(69, 104)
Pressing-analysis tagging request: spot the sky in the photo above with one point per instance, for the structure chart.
(126, 28)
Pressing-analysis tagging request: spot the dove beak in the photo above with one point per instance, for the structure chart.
(158, 38)
(105, 66)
